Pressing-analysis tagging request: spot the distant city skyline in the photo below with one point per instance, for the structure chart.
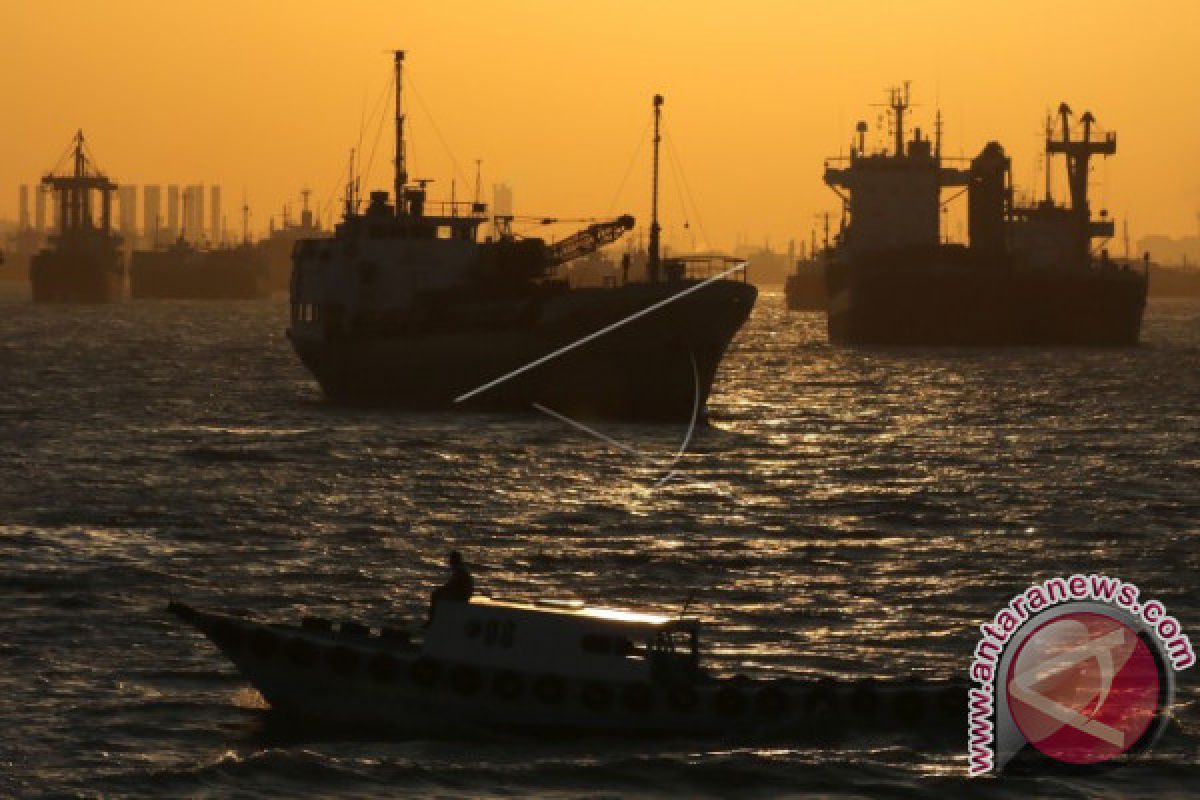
(270, 97)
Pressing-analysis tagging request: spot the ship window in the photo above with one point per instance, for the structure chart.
(445, 232)
(596, 644)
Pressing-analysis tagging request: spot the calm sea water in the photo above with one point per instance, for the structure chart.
(849, 513)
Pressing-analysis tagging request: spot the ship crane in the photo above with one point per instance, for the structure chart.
(588, 240)
(1078, 153)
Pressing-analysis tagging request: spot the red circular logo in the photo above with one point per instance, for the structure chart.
(1083, 688)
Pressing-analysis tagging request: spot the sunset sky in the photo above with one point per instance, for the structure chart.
(554, 97)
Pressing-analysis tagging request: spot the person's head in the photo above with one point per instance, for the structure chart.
(455, 561)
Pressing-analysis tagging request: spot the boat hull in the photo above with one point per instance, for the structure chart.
(934, 304)
(367, 682)
(158, 276)
(657, 366)
(77, 275)
(804, 290)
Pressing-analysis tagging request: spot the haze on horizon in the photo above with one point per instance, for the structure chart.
(269, 96)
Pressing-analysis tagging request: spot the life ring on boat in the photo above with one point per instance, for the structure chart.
(822, 698)
(343, 660)
(464, 679)
(771, 701)
(908, 705)
(729, 701)
(550, 689)
(507, 685)
(383, 667)
(864, 700)
(425, 672)
(264, 643)
(300, 652)
(596, 696)
(637, 697)
(682, 699)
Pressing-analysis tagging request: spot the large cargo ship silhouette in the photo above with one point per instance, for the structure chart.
(1029, 275)
(184, 271)
(82, 262)
(410, 308)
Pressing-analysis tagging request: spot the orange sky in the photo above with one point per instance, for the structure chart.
(553, 95)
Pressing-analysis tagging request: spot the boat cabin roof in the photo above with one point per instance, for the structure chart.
(566, 610)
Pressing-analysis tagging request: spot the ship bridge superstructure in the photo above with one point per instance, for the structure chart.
(75, 190)
(893, 198)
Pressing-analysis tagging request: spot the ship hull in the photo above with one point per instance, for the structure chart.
(805, 290)
(936, 304)
(161, 278)
(368, 683)
(77, 276)
(659, 366)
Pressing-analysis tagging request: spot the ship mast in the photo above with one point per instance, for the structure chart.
(401, 167)
(652, 255)
(899, 104)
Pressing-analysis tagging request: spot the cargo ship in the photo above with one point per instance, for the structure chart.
(82, 262)
(184, 271)
(408, 308)
(804, 288)
(1029, 274)
(276, 249)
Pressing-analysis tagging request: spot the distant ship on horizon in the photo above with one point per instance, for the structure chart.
(82, 262)
(1029, 276)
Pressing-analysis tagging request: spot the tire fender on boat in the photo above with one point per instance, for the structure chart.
(596, 696)
(507, 685)
(464, 679)
(637, 697)
(425, 672)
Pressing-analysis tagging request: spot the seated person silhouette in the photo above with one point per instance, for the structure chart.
(457, 589)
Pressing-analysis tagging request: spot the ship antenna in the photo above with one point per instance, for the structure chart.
(652, 257)
(245, 219)
(401, 167)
